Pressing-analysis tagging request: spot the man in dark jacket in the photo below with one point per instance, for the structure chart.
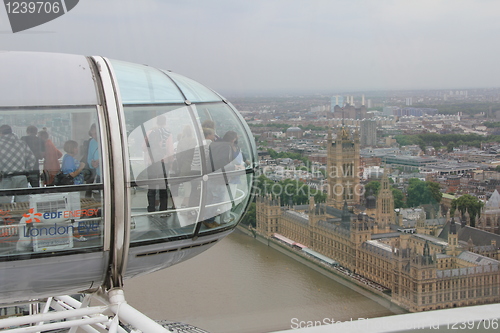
(37, 146)
(17, 161)
(222, 160)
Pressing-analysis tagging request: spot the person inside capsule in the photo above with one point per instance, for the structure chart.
(159, 154)
(17, 162)
(51, 158)
(41, 219)
(91, 159)
(37, 146)
(196, 190)
(224, 157)
(186, 160)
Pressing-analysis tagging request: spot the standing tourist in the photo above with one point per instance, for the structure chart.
(17, 161)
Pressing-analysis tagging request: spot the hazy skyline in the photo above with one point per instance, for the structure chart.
(286, 45)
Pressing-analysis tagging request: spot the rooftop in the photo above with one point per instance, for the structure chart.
(432, 239)
(493, 202)
(477, 258)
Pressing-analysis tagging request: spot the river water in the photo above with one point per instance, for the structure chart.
(242, 285)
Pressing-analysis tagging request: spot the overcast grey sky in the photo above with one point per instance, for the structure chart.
(286, 45)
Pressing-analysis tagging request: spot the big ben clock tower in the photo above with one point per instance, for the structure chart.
(343, 169)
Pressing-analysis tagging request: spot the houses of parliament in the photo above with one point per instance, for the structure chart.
(444, 263)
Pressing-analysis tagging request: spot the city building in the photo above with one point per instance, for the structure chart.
(368, 132)
(417, 112)
(294, 132)
(343, 168)
(490, 215)
(349, 111)
(336, 100)
(419, 270)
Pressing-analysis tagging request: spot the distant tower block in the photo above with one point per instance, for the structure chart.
(343, 168)
(368, 131)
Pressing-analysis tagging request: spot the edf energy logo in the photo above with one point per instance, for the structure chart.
(28, 14)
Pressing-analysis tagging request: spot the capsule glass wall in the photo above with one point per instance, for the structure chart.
(46, 203)
(50, 184)
(190, 154)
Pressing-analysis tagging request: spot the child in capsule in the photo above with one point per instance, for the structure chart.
(70, 164)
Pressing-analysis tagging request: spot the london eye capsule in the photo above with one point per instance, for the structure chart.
(109, 170)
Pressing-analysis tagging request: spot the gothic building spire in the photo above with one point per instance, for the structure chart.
(342, 170)
(385, 215)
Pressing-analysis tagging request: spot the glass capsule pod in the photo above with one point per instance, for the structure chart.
(109, 170)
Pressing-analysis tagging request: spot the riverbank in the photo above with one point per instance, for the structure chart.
(330, 272)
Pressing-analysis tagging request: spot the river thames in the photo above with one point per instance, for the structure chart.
(242, 285)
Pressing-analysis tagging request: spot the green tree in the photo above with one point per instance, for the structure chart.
(449, 147)
(422, 192)
(405, 140)
(294, 156)
(273, 153)
(434, 191)
(399, 198)
(492, 124)
(432, 139)
(298, 192)
(323, 171)
(468, 203)
(372, 187)
(397, 194)
(312, 127)
(421, 144)
(250, 216)
(263, 185)
(319, 197)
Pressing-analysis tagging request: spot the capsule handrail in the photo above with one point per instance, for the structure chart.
(175, 210)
